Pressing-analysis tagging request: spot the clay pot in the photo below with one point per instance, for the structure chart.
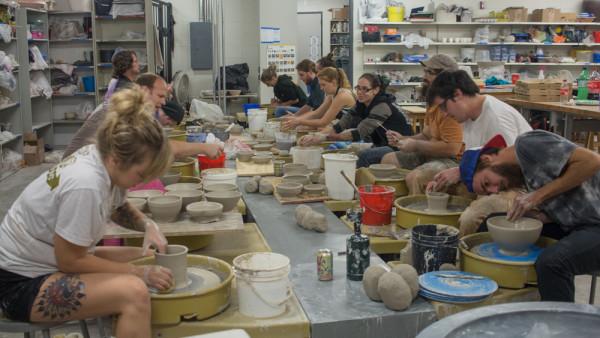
(437, 201)
(203, 211)
(171, 177)
(175, 259)
(245, 155)
(302, 179)
(314, 189)
(221, 187)
(287, 168)
(262, 146)
(289, 189)
(139, 203)
(382, 170)
(145, 194)
(315, 175)
(165, 208)
(187, 196)
(229, 199)
(514, 237)
(261, 159)
(183, 186)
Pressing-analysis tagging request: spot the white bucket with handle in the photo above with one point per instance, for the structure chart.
(337, 186)
(256, 119)
(263, 286)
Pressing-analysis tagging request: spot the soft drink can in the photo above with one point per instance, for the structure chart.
(325, 265)
(515, 77)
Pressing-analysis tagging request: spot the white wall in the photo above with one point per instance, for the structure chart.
(322, 6)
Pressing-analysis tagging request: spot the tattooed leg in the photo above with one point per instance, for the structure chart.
(61, 298)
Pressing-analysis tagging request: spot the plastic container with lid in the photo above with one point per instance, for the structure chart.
(218, 175)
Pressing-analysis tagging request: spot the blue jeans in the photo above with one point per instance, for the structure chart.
(283, 110)
(372, 156)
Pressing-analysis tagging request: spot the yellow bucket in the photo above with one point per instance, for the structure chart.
(184, 166)
(395, 13)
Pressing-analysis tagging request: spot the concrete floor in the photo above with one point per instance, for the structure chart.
(11, 187)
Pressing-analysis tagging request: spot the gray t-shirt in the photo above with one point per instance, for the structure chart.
(543, 157)
(87, 133)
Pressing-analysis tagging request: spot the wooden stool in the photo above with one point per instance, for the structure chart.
(416, 114)
(592, 141)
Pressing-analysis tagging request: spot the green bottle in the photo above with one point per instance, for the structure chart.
(582, 84)
(358, 255)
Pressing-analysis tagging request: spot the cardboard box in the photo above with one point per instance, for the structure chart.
(340, 13)
(568, 17)
(516, 14)
(545, 15)
(33, 149)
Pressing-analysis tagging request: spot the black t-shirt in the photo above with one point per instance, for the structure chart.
(316, 95)
(286, 90)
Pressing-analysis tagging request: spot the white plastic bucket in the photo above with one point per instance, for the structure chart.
(218, 175)
(257, 119)
(337, 186)
(309, 156)
(270, 129)
(262, 283)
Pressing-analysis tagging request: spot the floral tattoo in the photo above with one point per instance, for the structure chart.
(62, 297)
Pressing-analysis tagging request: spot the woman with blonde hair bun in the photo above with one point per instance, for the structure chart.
(50, 267)
(339, 96)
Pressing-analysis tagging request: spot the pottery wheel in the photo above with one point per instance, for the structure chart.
(422, 206)
(492, 250)
(199, 280)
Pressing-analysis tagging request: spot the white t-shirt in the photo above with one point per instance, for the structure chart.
(74, 200)
(496, 117)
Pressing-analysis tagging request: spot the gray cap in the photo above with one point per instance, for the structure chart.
(440, 61)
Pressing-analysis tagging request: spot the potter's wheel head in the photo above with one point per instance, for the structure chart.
(199, 280)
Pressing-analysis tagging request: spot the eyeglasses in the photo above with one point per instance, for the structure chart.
(362, 89)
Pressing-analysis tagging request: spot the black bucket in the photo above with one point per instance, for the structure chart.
(103, 7)
(432, 246)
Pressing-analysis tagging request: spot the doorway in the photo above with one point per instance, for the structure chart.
(310, 36)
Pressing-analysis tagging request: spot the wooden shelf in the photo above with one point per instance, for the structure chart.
(42, 125)
(14, 138)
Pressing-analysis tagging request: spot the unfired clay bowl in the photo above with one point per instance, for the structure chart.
(175, 259)
(287, 168)
(245, 155)
(187, 196)
(315, 176)
(139, 203)
(221, 187)
(144, 193)
(289, 189)
(437, 201)
(302, 179)
(202, 211)
(514, 237)
(382, 170)
(229, 199)
(183, 186)
(165, 208)
(261, 159)
(262, 146)
(314, 189)
(171, 177)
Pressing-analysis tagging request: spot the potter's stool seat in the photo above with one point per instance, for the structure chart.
(224, 334)
(29, 329)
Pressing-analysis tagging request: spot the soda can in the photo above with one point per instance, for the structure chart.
(325, 265)
(515, 77)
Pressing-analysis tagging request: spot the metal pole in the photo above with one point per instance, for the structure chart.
(223, 59)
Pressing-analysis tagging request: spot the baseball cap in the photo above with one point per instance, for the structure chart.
(470, 159)
(173, 110)
(440, 61)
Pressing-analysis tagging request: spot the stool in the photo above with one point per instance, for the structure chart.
(29, 329)
(593, 288)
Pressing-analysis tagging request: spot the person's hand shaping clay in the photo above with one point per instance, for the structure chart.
(309, 219)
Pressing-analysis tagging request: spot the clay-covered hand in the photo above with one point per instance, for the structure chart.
(157, 277)
(522, 204)
(444, 179)
(290, 121)
(309, 140)
(153, 237)
(408, 145)
(393, 137)
(213, 150)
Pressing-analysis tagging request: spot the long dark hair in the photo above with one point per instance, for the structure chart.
(122, 62)
(376, 81)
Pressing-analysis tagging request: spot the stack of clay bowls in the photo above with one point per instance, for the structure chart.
(187, 196)
(165, 208)
(297, 178)
(289, 189)
(314, 189)
(183, 186)
(228, 198)
(261, 159)
(221, 187)
(245, 155)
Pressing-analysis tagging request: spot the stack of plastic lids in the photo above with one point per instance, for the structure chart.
(456, 287)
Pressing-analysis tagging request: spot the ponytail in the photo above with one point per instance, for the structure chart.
(269, 73)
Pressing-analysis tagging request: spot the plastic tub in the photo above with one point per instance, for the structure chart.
(377, 201)
(204, 162)
(395, 13)
(89, 83)
(256, 119)
(219, 175)
(337, 186)
(309, 156)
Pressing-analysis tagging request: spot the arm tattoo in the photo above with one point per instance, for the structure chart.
(62, 297)
(126, 217)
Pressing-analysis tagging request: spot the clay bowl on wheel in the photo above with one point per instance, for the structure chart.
(261, 159)
(221, 187)
(183, 186)
(203, 211)
(165, 208)
(382, 170)
(262, 147)
(314, 189)
(302, 179)
(139, 203)
(245, 155)
(514, 237)
(289, 189)
(171, 177)
(145, 194)
(187, 196)
(229, 199)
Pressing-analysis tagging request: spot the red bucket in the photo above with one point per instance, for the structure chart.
(377, 201)
(204, 162)
(597, 36)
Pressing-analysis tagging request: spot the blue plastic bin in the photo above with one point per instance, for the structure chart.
(89, 83)
(248, 106)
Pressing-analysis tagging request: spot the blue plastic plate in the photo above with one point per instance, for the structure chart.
(457, 287)
(492, 250)
(445, 299)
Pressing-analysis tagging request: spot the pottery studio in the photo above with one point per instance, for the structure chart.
(299, 168)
